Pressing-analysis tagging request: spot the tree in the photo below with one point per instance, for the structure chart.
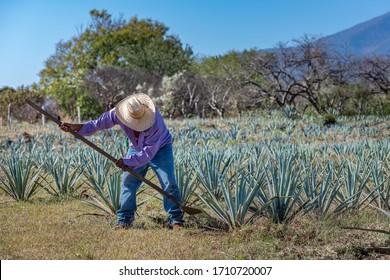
(108, 85)
(218, 95)
(62, 78)
(164, 56)
(222, 76)
(16, 99)
(306, 71)
(181, 95)
(140, 45)
(374, 73)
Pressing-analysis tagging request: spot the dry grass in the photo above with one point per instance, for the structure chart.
(57, 229)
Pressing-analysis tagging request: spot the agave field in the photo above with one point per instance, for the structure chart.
(236, 170)
(262, 181)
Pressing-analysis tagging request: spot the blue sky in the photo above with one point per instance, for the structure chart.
(30, 29)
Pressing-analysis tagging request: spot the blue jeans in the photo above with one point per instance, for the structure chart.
(163, 165)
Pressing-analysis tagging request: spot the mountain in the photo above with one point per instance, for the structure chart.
(369, 37)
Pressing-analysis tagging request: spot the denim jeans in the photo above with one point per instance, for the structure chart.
(163, 165)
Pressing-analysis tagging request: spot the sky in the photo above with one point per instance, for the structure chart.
(30, 29)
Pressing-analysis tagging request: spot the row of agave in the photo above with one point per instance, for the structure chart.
(281, 183)
(274, 129)
(235, 184)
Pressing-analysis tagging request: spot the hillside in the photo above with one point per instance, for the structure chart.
(369, 37)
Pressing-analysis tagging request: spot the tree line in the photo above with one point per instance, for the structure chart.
(112, 58)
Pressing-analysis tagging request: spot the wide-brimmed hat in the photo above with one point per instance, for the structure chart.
(136, 111)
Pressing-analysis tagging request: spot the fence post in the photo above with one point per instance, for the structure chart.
(78, 114)
(43, 117)
(9, 115)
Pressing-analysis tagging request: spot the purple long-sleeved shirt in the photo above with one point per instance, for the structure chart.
(149, 141)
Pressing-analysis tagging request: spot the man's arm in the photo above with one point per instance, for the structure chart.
(105, 121)
(74, 126)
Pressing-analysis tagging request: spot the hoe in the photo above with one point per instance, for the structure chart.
(186, 209)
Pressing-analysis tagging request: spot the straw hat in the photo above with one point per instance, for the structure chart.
(136, 111)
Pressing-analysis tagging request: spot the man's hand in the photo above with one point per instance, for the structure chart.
(120, 163)
(74, 126)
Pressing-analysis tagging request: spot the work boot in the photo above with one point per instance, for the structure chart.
(124, 225)
(120, 226)
(177, 226)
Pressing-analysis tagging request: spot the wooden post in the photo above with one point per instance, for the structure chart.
(9, 115)
(43, 117)
(78, 114)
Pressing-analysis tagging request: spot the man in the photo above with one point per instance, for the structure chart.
(150, 146)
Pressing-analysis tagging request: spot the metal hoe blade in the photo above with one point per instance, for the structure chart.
(186, 209)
